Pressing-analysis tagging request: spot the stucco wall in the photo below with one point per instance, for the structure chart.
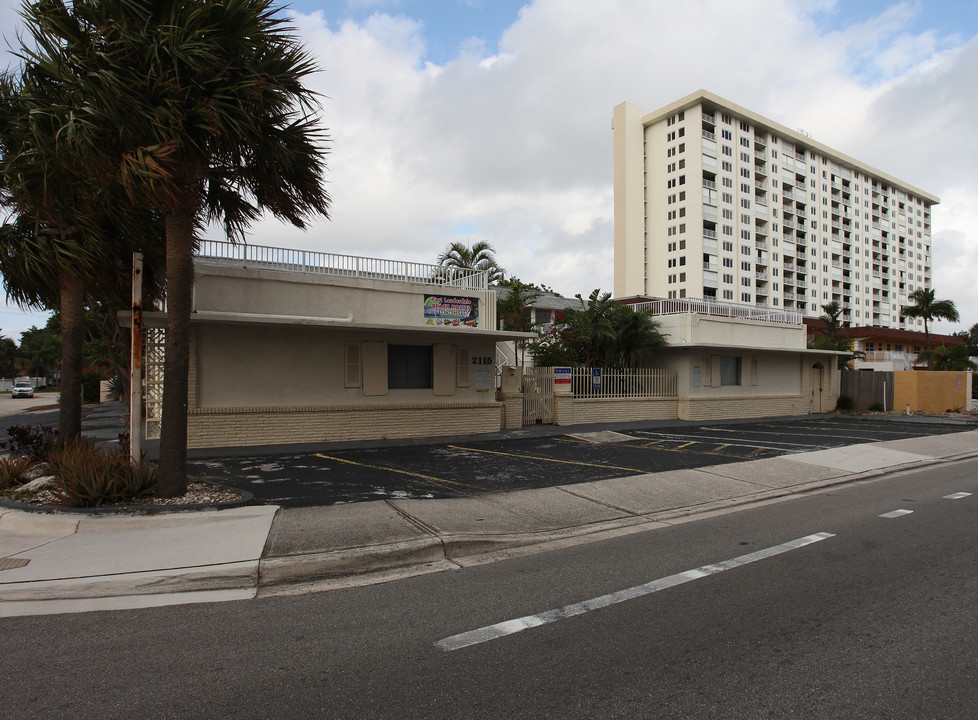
(239, 366)
(777, 373)
(693, 328)
(933, 392)
(302, 295)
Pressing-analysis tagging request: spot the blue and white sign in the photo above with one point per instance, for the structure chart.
(595, 378)
(562, 376)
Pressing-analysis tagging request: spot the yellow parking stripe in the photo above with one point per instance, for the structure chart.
(546, 459)
(406, 472)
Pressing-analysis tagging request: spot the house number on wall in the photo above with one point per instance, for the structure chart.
(484, 360)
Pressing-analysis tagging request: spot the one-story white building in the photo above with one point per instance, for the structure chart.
(291, 346)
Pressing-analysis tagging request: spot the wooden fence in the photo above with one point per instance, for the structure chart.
(867, 389)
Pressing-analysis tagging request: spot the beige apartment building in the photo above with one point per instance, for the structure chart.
(715, 202)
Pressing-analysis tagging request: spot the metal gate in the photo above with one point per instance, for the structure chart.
(538, 396)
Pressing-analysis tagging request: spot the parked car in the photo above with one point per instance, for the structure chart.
(22, 388)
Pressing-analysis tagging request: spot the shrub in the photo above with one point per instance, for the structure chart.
(12, 469)
(92, 378)
(88, 477)
(844, 403)
(118, 392)
(876, 407)
(32, 441)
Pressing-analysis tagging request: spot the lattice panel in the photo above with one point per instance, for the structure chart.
(153, 378)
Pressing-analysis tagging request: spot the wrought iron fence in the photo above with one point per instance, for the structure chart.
(624, 383)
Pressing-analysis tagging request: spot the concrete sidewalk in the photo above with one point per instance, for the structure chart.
(72, 563)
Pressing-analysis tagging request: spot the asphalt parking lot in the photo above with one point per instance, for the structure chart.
(458, 469)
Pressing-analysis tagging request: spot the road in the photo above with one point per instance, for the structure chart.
(830, 605)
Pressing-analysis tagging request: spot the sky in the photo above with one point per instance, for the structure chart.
(468, 120)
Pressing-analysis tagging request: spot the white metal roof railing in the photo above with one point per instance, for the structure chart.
(274, 258)
(719, 309)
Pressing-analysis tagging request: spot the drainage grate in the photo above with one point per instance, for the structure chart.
(11, 563)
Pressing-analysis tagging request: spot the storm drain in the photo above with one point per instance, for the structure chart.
(11, 563)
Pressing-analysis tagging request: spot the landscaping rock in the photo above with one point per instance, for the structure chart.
(46, 482)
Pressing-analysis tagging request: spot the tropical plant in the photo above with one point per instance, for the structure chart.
(13, 469)
(41, 349)
(970, 337)
(44, 254)
(926, 307)
(198, 110)
(31, 441)
(481, 257)
(88, 476)
(599, 333)
(831, 337)
(8, 357)
(948, 358)
(514, 308)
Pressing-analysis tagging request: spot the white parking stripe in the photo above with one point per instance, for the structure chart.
(770, 444)
(782, 433)
(896, 513)
(509, 627)
(957, 496)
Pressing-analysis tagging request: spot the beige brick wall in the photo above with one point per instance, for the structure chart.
(572, 410)
(223, 427)
(743, 407)
(512, 414)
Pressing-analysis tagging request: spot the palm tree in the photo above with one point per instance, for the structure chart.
(589, 329)
(199, 110)
(926, 307)
(948, 358)
(832, 337)
(636, 336)
(480, 257)
(64, 247)
(514, 308)
(46, 256)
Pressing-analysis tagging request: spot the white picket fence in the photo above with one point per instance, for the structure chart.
(624, 383)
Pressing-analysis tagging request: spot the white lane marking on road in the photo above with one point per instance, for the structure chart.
(509, 627)
(896, 513)
(956, 496)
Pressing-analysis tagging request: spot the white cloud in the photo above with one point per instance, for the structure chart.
(518, 145)
(515, 148)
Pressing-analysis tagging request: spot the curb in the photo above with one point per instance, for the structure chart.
(463, 549)
(229, 576)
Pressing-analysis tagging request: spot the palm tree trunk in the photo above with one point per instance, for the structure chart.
(179, 292)
(72, 341)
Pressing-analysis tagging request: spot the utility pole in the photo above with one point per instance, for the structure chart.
(136, 362)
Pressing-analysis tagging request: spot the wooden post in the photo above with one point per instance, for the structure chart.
(136, 362)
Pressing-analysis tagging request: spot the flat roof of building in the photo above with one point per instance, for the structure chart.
(800, 139)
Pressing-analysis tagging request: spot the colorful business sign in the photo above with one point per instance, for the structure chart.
(453, 311)
(562, 376)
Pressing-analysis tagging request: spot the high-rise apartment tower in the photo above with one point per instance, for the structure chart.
(716, 202)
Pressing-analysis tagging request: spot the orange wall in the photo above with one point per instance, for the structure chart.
(933, 392)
